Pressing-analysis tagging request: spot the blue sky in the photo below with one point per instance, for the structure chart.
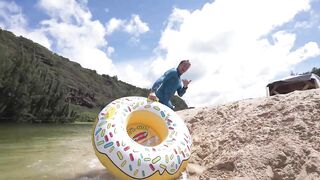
(236, 47)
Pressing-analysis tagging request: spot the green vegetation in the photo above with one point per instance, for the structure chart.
(37, 85)
(314, 71)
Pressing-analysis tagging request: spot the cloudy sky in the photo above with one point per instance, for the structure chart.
(236, 47)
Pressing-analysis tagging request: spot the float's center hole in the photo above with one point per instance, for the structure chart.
(146, 128)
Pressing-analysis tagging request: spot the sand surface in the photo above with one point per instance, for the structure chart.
(272, 138)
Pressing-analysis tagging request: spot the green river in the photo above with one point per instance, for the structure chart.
(47, 151)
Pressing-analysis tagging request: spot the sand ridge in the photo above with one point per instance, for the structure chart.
(274, 137)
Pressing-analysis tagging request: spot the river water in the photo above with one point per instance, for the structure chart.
(47, 151)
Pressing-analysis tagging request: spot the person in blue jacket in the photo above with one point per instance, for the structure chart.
(170, 83)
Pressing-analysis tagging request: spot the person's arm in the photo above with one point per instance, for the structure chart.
(156, 85)
(167, 75)
(181, 90)
(152, 95)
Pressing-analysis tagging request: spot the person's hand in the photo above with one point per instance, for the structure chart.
(152, 96)
(185, 82)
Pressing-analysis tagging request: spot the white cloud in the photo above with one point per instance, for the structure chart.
(76, 35)
(309, 50)
(312, 19)
(135, 26)
(227, 43)
(133, 75)
(12, 19)
(11, 15)
(113, 25)
(67, 11)
(110, 50)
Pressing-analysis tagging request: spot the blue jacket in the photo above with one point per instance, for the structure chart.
(167, 85)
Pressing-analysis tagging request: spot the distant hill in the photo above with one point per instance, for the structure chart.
(314, 70)
(41, 86)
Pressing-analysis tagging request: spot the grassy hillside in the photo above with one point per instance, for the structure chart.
(39, 85)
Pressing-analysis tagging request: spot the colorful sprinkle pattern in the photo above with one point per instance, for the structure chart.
(133, 159)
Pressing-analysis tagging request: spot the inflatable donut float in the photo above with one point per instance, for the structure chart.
(136, 138)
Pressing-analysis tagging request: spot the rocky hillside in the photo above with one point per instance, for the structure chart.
(38, 84)
(269, 138)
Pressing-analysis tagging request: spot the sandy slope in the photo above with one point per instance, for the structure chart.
(264, 138)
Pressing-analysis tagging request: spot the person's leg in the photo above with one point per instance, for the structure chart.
(170, 105)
